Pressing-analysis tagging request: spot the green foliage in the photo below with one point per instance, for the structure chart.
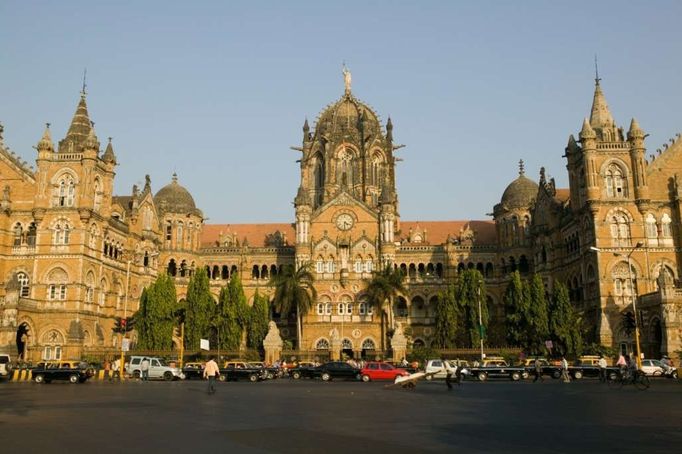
(200, 308)
(537, 321)
(155, 320)
(382, 289)
(226, 329)
(564, 323)
(447, 317)
(422, 354)
(517, 306)
(599, 349)
(294, 291)
(470, 289)
(258, 323)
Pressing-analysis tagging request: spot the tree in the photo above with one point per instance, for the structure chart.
(564, 323)
(382, 289)
(155, 320)
(294, 291)
(241, 306)
(517, 303)
(200, 309)
(471, 291)
(258, 323)
(447, 317)
(538, 322)
(226, 331)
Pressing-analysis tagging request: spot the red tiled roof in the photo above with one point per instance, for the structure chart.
(255, 234)
(436, 231)
(563, 194)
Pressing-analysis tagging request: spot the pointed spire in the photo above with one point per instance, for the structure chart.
(147, 183)
(635, 131)
(587, 132)
(600, 117)
(521, 168)
(91, 141)
(389, 129)
(572, 144)
(306, 127)
(79, 128)
(45, 143)
(109, 155)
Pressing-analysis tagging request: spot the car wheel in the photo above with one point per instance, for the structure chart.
(674, 375)
(658, 373)
(482, 376)
(326, 376)
(222, 377)
(525, 375)
(578, 374)
(429, 377)
(296, 375)
(556, 374)
(613, 376)
(73, 378)
(40, 378)
(366, 378)
(270, 376)
(253, 378)
(136, 374)
(515, 376)
(168, 376)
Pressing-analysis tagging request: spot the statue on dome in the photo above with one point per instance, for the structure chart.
(346, 78)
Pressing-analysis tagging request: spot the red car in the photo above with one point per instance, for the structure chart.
(381, 371)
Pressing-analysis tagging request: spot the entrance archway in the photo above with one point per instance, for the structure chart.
(368, 349)
(347, 349)
(22, 340)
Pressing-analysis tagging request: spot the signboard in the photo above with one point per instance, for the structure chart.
(125, 345)
(203, 344)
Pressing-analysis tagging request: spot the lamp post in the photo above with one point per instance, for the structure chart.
(634, 296)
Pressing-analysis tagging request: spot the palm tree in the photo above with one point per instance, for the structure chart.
(294, 290)
(382, 289)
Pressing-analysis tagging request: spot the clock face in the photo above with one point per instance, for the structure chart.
(344, 221)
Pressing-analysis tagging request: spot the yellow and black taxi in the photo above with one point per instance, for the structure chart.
(193, 370)
(73, 371)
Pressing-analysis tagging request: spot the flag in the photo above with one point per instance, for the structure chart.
(203, 344)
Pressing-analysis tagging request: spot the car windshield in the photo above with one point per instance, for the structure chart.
(161, 362)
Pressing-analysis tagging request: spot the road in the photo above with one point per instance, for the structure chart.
(304, 416)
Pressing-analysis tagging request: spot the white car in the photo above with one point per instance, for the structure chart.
(157, 369)
(5, 366)
(435, 367)
(654, 368)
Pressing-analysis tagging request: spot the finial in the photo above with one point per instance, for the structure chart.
(85, 73)
(596, 70)
(346, 78)
(521, 170)
(175, 177)
(109, 139)
(47, 125)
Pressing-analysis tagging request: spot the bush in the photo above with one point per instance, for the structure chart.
(599, 349)
(422, 354)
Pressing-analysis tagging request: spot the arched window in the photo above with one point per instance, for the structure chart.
(345, 173)
(62, 233)
(179, 236)
(368, 344)
(620, 229)
(318, 177)
(92, 236)
(624, 283)
(651, 231)
(97, 204)
(369, 265)
(103, 289)
(169, 230)
(65, 191)
(357, 266)
(183, 268)
(376, 171)
(31, 236)
(57, 280)
(320, 308)
(666, 231)
(615, 182)
(322, 344)
(172, 268)
(89, 288)
(24, 288)
(330, 266)
(18, 233)
(52, 345)
(319, 265)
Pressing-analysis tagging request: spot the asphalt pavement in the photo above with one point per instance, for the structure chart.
(305, 416)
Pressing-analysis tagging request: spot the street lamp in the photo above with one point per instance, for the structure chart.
(634, 299)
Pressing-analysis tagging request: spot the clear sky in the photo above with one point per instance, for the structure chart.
(218, 91)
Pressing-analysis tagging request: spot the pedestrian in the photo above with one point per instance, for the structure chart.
(621, 363)
(107, 369)
(211, 371)
(144, 369)
(602, 368)
(115, 369)
(458, 374)
(564, 370)
(448, 373)
(538, 371)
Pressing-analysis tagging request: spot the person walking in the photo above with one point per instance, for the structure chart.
(211, 371)
(115, 369)
(602, 368)
(564, 370)
(538, 371)
(448, 373)
(144, 369)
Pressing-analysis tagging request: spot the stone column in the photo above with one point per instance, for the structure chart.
(272, 344)
(398, 343)
(335, 346)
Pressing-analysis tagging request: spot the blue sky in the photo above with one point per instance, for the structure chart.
(218, 91)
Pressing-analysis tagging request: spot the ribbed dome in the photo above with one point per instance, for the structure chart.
(174, 198)
(345, 114)
(520, 193)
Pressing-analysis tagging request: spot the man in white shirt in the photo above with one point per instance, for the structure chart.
(564, 370)
(602, 369)
(448, 372)
(211, 371)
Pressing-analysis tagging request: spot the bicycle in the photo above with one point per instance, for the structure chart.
(638, 379)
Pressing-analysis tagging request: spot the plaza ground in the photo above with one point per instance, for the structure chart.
(303, 416)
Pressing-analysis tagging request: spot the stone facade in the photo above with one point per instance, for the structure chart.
(73, 256)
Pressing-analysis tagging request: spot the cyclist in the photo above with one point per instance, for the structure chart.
(665, 364)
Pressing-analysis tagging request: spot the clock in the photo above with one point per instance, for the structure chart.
(344, 221)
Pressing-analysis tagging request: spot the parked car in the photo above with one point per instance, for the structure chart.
(498, 368)
(589, 367)
(5, 366)
(271, 372)
(157, 368)
(381, 371)
(193, 370)
(435, 369)
(337, 369)
(304, 369)
(73, 371)
(654, 368)
(240, 370)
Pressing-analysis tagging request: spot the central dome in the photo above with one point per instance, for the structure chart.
(347, 114)
(174, 198)
(520, 193)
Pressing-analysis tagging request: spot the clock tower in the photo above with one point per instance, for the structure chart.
(346, 216)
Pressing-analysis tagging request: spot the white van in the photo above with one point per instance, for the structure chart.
(5, 366)
(157, 368)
